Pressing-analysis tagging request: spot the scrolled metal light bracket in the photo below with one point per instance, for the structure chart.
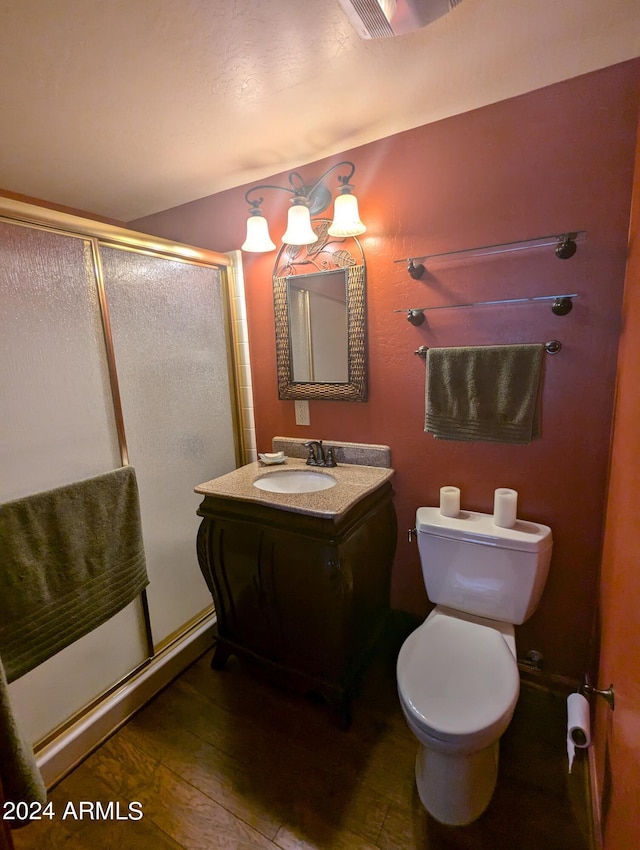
(316, 196)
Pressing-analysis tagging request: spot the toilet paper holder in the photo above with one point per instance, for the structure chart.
(608, 694)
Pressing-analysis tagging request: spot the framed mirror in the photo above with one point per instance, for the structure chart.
(320, 317)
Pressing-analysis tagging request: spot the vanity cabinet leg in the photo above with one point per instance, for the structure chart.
(221, 654)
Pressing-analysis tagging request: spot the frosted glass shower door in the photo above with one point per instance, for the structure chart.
(168, 324)
(56, 427)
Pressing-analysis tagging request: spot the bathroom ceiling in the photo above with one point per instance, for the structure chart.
(123, 108)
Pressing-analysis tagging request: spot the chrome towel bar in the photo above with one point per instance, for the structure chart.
(553, 346)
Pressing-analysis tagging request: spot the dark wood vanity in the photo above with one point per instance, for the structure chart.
(304, 594)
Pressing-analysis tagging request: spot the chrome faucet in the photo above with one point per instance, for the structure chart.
(317, 455)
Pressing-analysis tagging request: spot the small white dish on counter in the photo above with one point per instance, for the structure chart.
(272, 458)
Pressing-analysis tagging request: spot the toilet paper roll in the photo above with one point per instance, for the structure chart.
(505, 506)
(578, 725)
(449, 501)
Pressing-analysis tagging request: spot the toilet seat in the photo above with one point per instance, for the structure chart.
(458, 678)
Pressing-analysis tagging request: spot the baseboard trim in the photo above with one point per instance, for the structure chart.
(553, 682)
(75, 743)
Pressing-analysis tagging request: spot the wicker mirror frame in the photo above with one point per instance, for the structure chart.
(328, 254)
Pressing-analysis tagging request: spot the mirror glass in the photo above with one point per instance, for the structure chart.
(317, 305)
(319, 299)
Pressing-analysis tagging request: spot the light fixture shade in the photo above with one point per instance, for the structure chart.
(258, 239)
(346, 218)
(299, 230)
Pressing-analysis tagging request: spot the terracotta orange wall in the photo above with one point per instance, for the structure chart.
(557, 159)
(617, 734)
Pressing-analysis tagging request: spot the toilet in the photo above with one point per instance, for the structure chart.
(458, 680)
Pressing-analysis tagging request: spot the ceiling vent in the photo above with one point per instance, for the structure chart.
(386, 18)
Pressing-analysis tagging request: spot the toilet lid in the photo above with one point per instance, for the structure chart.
(457, 677)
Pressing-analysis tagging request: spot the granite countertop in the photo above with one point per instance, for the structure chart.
(353, 482)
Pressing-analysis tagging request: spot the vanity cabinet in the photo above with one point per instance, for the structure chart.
(306, 596)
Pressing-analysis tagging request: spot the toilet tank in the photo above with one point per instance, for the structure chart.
(469, 564)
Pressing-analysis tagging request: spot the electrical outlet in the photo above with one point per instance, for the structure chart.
(302, 413)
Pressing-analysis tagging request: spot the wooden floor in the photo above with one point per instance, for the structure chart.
(224, 760)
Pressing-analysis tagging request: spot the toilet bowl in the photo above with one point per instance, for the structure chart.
(458, 686)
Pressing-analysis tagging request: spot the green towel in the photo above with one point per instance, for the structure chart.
(19, 774)
(70, 559)
(487, 393)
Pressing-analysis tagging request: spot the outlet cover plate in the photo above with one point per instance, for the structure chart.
(302, 412)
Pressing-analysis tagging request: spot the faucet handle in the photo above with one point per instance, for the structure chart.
(312, 457)
(330, 458)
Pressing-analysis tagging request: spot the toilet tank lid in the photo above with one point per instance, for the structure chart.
(474, 527)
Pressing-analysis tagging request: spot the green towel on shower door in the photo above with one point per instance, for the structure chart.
(70, 559)
(19, 774)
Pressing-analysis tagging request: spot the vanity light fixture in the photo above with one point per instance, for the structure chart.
(306, 201)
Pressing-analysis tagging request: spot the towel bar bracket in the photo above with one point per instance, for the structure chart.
(416, 317)
(562, 305)
(553, 346)
(607, 694)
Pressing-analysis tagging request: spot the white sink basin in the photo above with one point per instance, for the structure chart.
(295, 481)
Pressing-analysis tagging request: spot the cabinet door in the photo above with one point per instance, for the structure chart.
(309, 592)
(235, 557)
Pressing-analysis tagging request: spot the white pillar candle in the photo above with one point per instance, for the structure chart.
(505, 506)
(449, 501)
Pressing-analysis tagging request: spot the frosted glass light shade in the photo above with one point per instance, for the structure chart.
(346, 218)
(258, 238)
(299, 230)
